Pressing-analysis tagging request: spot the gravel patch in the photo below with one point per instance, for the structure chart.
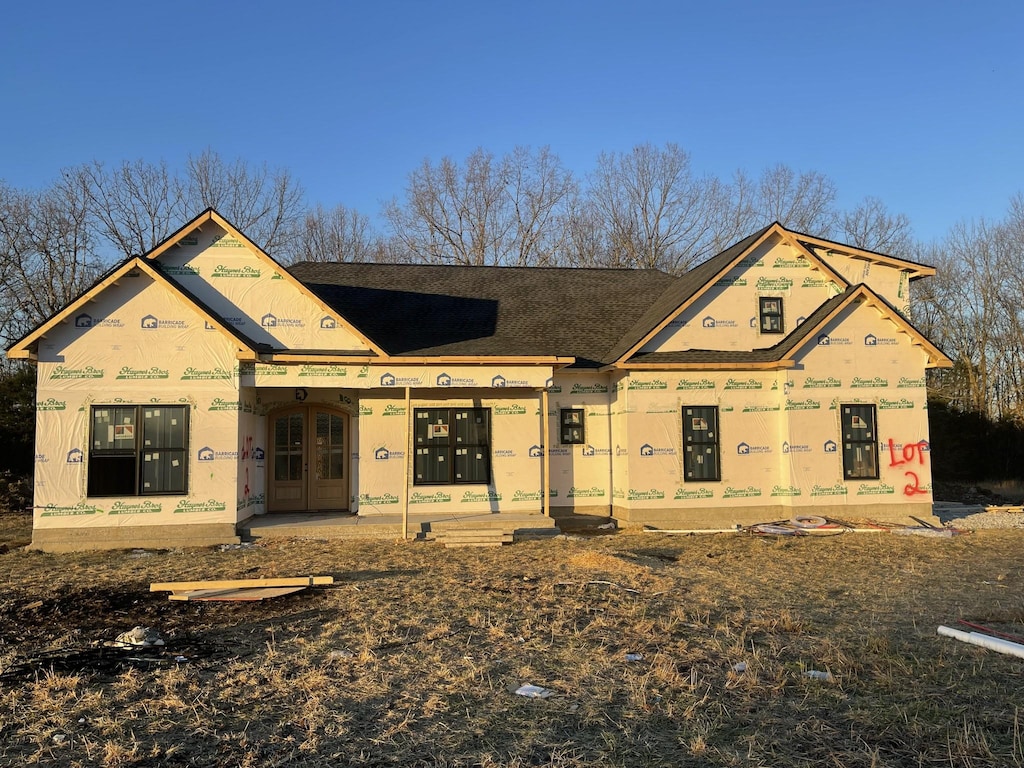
(973, 517)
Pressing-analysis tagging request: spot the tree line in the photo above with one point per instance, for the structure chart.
(645, 208)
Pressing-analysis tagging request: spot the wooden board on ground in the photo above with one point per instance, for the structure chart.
(238, 589)
(247, 593)
(298, 581)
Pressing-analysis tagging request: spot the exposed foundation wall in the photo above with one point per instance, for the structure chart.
(134, 537)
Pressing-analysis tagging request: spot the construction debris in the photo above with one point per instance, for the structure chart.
(801, 525)
(817, 674)
(985, 641)
(139, 637)
(238, 589)
(534, 691)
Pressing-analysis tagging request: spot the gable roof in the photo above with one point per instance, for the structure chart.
(782, 355)
(211, 216)
(916, 270)
(23, 348)
(597, 317)
(441, 310)
(698, 280)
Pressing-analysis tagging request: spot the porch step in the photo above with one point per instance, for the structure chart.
(504, 522)
(473, 537)
(420, 526)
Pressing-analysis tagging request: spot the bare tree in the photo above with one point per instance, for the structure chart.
(264, 204)
(656, 212)
(585, 236)
(963, 308)
(507, 210)
(801, 202)
(133, 206)
(338, 234)
(47, 255)
(871, 226)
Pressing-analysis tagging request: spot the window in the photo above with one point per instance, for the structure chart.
(453, 445)
(860, 446)
(138, 450)
(571, 420)
(771, 314)
(700, 444)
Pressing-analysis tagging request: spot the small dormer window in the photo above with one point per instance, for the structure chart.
(771, 314)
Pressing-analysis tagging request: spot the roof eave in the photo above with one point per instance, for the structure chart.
(759, 365)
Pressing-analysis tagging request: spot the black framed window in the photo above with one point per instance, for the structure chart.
(701, 448)
(138, 450)
(860, 442)
(571, 421)
(770, 311)
(453, 445)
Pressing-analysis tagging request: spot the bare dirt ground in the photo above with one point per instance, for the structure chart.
(413, 657)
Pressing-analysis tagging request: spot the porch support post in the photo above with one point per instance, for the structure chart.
(546, 485)
(408, 454)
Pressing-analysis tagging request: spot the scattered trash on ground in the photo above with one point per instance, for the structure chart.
(236, 547)
(800, 525)
(803, 525)
(139, 637)
(634, 657)
(238, 589)
(103, 658)
(985, 641)
(739, 668)
(990, 631)
(817, 674)
(533, 692)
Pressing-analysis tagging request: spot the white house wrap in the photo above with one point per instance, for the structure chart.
(204, 383)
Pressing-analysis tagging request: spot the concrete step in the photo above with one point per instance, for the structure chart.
(474, 537)
(504, 523)
(466, 544)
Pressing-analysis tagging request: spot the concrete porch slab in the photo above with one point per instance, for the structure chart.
(318, 525)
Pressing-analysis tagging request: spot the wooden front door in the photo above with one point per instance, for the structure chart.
(309, 459)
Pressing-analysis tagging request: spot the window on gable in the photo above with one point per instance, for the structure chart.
(138, 450)
(701, 452)
(860, 443)
(453, 445)
(770, 314)
(571, 420)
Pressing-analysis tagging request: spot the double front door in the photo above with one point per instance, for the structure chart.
(309, 460)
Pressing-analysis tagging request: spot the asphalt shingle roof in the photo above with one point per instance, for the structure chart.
(430, 310)
(681, 291)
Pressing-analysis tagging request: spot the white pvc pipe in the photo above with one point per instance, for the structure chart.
(985, 641)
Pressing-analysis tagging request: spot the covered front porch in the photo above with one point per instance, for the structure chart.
(420, 526)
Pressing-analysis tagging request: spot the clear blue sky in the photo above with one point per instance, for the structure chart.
(919, 103)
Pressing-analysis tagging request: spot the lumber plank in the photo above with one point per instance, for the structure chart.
(242, 593)
(295, 581)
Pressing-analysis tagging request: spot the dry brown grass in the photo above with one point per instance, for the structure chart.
(413, 656)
